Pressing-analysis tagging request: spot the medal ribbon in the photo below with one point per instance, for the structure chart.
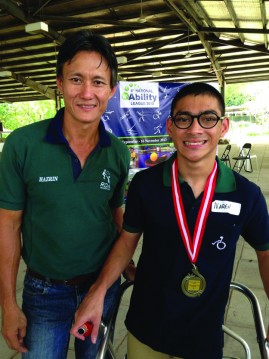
(193, 245)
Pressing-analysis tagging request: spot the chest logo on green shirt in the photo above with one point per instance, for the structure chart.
(105, 184)
(48, 179)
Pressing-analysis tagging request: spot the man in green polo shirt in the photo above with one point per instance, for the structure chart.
(62, 184)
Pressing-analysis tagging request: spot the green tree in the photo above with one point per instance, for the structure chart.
(19, 114)
(237, 94)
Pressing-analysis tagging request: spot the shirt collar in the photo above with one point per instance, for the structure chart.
(55, 134)
(225, 180)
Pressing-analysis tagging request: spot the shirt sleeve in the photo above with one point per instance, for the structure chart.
(133, 215)
(12, 188)
(117, 199)
(256, 229)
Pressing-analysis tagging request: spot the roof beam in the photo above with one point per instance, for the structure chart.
(41, 7)
(233, 31)
(233, 17)
(16, 11)
(237, 43)
(153, 49)
(191, 23)
(264, 21)
(120, 23)
(44, 90)
(181, 15)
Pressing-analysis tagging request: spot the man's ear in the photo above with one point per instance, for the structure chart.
(113, 90)
(225, 125)
(169, 124)
(59, 83)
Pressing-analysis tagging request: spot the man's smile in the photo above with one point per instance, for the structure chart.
(194, 143)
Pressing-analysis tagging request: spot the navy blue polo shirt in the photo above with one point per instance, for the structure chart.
(67, 227)
(160, 315)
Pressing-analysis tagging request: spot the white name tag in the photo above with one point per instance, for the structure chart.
(226, 207)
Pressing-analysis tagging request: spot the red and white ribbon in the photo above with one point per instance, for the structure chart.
(193, 245)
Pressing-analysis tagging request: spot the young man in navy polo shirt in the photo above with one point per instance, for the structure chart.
(62, 185)
(191, 210)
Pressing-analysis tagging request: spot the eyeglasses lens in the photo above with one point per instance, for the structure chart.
(208, 120)
(205, 120)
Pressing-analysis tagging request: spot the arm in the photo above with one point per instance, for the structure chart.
(117, 214)
(263, 260)
(13, 319)
(129, 271)
(91, 308)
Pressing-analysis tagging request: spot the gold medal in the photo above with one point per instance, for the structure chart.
(193, 285)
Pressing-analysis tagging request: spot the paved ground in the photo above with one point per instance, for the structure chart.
(239, 315)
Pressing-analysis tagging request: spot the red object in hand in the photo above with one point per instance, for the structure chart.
(85, 329)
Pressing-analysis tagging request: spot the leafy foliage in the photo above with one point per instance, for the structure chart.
(23, 113)
(237, 94)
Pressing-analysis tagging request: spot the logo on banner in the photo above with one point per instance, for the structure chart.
(139, 94)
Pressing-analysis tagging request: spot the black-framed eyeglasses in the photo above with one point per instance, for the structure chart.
(207, 119)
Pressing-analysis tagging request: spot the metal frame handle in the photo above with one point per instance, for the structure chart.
(257, 316)
(108, 329)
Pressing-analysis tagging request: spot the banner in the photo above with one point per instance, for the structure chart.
(137, 114)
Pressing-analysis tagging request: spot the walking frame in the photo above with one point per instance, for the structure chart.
(109, 327)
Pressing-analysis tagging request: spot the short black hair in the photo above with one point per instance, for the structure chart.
(198, 88)
(85, 40)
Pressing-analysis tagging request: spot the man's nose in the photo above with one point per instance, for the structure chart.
(87, 89)
(195, 126)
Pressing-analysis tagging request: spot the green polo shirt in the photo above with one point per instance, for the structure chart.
(67, 227)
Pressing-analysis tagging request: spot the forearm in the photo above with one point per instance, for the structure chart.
(13, 320)
(117, 214)
(118, 259)
(263, 260)
(10, 249)
(91, 308)
(8, 276)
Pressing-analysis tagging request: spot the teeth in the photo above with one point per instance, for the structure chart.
(194, 143)
(86, 106)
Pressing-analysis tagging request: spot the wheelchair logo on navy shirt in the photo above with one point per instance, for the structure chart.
(220, 244)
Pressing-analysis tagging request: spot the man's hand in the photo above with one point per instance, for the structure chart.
(90, 310)
(14, 328)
